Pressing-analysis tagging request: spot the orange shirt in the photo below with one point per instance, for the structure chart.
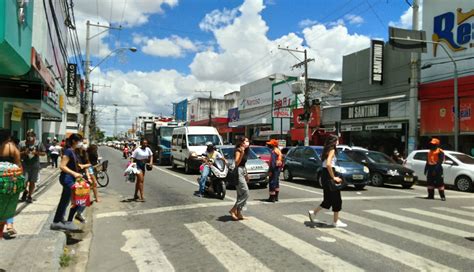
(433, 156)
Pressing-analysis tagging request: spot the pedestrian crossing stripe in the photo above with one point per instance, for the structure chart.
(470, 208)
(455, 211)
(228, 253)
(313, 254)
(441, 216)
(395, 254)
(420, 223)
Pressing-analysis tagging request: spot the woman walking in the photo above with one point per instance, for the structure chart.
(142, 156)
(55, 150)
(67, 178)
(330, 198)
(241, 155)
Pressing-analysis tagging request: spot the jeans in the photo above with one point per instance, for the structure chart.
(67, 181)
(54, 159)
(274, 185)
(202, 181)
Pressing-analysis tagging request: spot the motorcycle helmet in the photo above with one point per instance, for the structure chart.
(210, 146)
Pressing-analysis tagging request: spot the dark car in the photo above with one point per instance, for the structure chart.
(383, 169)
(305, 162)
(263, 152)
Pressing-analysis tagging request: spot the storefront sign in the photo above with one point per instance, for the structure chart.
(52, 119)
(351, 128)
(437, 116)
(376, 62)
(255, 101)
(315, 117)
(364, 111)
(283, 100)
(71, 79)
(375, 127)
(43, 71)
(16, 114)
(32, 115)
(233, 115)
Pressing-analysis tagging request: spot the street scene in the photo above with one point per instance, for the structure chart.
(241, 135)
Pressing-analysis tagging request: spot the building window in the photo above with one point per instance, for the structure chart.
(72, 117)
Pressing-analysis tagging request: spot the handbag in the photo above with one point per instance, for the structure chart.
(333, 186)
(233, 176)
(148, 167)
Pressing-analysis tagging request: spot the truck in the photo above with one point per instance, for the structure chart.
(158, 134)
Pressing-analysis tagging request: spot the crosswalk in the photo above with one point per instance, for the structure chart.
(413, 228)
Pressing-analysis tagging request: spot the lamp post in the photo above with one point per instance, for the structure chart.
(456, 96)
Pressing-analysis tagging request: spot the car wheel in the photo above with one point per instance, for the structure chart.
(407, 185)
(464, 184)
(359, 186)
(376, 179)
(287, 174)
(187, 170)
(173, 164)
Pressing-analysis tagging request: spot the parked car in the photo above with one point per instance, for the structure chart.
(383, 169)
(263, 152)
(347, 147)
(305, 162)
(256, 168)
(458, 168)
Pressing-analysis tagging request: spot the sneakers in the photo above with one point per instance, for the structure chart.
(198, 194)
(80, 218)
(70, 226)
(310, 215)
(339, 224)
(57, 226)
(29, 199)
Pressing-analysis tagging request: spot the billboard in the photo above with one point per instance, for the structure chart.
(450, 23)
(283, 99)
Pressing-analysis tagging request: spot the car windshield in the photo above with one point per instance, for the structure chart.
(464, 158)
(229, 154)
(165, 131)
(340, 155)
(200, 140)
(377, 157)
(261, 150)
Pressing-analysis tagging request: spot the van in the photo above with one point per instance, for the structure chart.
(189, 143)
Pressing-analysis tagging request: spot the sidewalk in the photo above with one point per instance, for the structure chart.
(36, 247)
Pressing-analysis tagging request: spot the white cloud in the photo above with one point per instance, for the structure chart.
(173, 46)
(307, 22)
(354, 19)
(217, 19)
(406, 18)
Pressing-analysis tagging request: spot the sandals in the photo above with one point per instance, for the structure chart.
(11, 232)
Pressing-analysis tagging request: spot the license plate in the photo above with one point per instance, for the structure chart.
(408, 179)
(357, 177)
(254, 176)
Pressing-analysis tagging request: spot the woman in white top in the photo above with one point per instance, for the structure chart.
(142, 156)
(330, 198)
(55, 150)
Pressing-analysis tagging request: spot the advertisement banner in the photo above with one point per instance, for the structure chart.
(315, 118)
(437, 116)
(233, 115)
(283, 100)
(16, 114)
(255, 101)
(71, 79)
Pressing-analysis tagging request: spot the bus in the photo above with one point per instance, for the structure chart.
(159, 135)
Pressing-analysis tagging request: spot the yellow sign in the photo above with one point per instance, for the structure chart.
(16, 114)
(61, 102)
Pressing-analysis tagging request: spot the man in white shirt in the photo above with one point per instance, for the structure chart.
(209, 156)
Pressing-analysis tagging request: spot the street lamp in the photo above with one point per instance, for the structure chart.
(132, 49)
(456, 96)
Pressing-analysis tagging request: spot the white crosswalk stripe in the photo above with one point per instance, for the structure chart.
(145, 251)
(388, 251)
(441, 216)
(470, 208)
(423, 239)
(455, 211)
(420, 223)
(316, 256)
(228, 253)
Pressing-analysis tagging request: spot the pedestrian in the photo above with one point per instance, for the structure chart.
(67, 178)
(30, 150)
(93, 157)
(276, 161)
(142, 156)
(55, 151)
(241, 156)
(8, 153)
(434, 170)
(331, 198)
(125, 151)
(47, 145)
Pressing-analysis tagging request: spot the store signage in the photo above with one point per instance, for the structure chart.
(43, 71)
(71, 79)
(315, 117)
(233, 115)
(351, 128)
(283, 100)
(364, 111)
(32, 115)
(255, 101)
(376, 62)
(16, 114)
(52, 119)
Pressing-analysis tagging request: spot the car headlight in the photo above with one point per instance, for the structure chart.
(193, 154)
(340, 169)
(366, 169)
(391, 172)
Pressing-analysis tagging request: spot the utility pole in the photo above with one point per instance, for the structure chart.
(115, 120)
(93, 126)
(307, 109)
(413, 100)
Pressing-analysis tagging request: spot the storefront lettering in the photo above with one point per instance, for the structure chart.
(376, 69)
(443, 30)
(364, 111)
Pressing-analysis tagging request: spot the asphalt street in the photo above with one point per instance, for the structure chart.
(390, 228)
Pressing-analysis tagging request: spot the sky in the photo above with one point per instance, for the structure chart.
(186, 46)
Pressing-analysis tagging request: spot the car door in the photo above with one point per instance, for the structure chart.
(297, 164)
(310, 164)
(418, 164)
(450, 168)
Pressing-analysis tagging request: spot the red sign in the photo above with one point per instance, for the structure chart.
(437, 116)
(42, 70)
(315, 118)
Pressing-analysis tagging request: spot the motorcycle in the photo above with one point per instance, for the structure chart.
(216, 180)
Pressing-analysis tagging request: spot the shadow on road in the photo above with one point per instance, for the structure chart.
(225, 218)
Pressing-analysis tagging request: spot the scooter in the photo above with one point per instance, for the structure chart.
(216, 180)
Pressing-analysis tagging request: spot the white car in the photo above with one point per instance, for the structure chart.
(458, 168)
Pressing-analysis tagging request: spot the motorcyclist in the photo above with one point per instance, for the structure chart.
(210, 156)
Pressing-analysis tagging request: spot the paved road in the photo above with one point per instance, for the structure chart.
(390, 229)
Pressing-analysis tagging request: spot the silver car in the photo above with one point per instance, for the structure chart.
(256, 168)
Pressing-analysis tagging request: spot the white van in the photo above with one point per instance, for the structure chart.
(189, 143)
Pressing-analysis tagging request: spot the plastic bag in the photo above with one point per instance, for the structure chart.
(80, 193)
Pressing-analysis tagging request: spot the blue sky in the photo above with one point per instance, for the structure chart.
(189, 45)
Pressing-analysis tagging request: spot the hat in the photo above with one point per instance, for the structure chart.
(272, 142)
(30, 132)
(435, 141)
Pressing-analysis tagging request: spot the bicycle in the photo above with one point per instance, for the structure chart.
(101, 174)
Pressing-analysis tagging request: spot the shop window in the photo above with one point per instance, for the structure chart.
(420, 156)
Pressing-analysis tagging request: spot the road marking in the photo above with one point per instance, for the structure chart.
(413, 236)
(228, 253)
(455, 211)
(420, 223)
(301, 189)
(188, 181)
(145, 251)
(470, 208)
(441, 216)
(388, 251)
(314, 255)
